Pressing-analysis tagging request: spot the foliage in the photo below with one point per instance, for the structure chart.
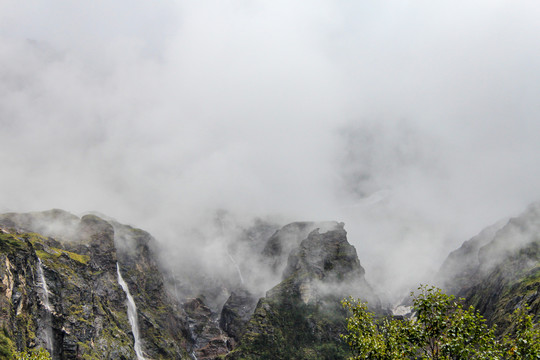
(524, 342)
(442, 329)
(39, 354)
(377, 340)
(6, 345)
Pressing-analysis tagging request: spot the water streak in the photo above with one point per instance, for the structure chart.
(132, 315)
(237, 268)
(44, 287)
(45, 293)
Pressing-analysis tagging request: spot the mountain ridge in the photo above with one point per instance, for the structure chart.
(59, 282)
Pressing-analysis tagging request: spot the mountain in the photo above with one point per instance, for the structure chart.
(498, 271)
(61, 289)
(91, 288)
(301, 317)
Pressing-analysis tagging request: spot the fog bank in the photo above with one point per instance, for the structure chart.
(414, 123)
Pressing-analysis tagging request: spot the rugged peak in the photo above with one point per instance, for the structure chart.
(284, 240)
(492, 247)
(321, 270)
(93, 224)
(65, 294)
(55, 222)
(325, 256)
(497, 271)
(518, 234)
(98, 235)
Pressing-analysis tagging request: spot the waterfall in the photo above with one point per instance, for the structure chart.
(132, 315)
(45, 289)
(229, 254)
(237, 267)
(176, 288)
(45, 293)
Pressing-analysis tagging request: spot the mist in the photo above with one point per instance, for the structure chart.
(415, 123)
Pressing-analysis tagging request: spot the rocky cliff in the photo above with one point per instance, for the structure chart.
(498, 271)
(60, 289)
(301, 317)
(91, 288)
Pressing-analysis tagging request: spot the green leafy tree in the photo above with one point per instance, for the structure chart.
(442, 329)
(524, 341)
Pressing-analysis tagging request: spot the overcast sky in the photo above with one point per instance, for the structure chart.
(415, 122)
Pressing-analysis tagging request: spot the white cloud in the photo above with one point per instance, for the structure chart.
(155, 113)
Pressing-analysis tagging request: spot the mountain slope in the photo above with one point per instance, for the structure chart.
(499, 270)
(301, 318)
(60, 288)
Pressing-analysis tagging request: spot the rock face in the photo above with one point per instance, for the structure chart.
(236, 312)
(498, 271)
(61, 292)
(301, 318)
(59, 289)
(209, 340)
(283, 241)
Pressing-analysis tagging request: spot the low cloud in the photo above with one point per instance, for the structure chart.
(415, 124)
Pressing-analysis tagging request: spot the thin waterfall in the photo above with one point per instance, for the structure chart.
(176, 288)
(237, 267)
(44, 287)
(132, 315)
(45, 293)
(229, 254)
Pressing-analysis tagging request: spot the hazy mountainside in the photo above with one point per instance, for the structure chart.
(92, 288)
(60, 288)
(498, 271)
(301, 318)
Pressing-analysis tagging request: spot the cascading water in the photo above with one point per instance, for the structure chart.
(45, 289)
(45, 293)
(229, 254)
(237, 267)
(132, 315)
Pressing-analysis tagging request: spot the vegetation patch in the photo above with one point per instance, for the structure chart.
(55, 253)
(442, 329)
(10, 243)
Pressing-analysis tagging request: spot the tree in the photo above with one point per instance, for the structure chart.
(441, 329)
(524, 341)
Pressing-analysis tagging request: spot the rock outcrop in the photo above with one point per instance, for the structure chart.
(301, 318)
(236, 312)
(60, 291)
(498, 271)
(283, 241)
